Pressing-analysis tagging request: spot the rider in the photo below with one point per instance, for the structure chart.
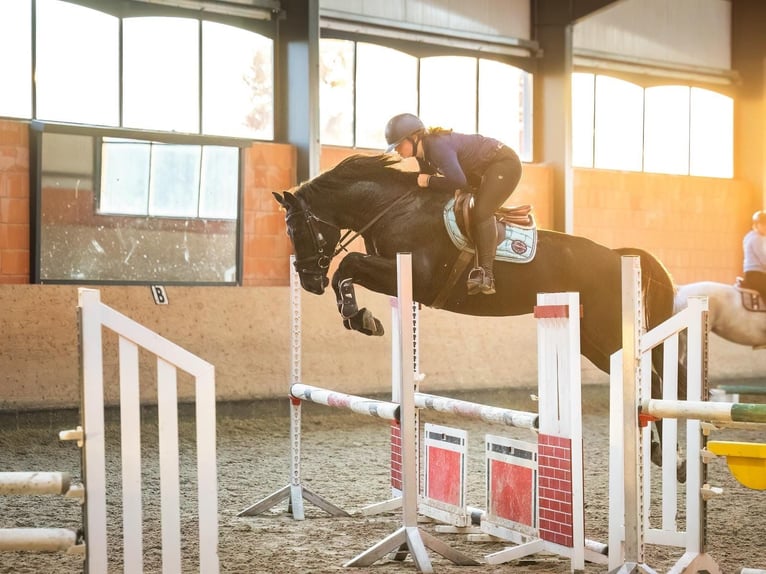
(453, 161)
(754, 246)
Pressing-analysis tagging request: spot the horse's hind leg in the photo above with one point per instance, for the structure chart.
(657, 384)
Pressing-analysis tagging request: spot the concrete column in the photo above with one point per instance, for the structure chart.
(748, 55)
(296, 98)
(553, 106)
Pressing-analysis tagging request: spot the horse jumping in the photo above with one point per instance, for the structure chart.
(373, 197)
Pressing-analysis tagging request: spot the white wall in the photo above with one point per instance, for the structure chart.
(674, 32)
(509, 18)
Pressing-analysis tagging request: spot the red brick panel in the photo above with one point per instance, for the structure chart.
(14, 202)
(555, 491)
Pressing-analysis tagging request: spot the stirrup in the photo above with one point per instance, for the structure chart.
(480, 281)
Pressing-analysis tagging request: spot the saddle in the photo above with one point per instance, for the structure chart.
(516, 237)
(519, 215)
(751, 299)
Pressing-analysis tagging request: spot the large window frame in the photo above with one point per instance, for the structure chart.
(668, 127)
(201, 100)
(81, 173)
(408, 96)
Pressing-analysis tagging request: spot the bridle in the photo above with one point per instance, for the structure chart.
(321, 259)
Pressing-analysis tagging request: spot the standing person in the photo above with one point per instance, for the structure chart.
(471, 162)
(754, 246)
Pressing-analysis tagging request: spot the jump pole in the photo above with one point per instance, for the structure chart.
(41, 539)
(294, 491)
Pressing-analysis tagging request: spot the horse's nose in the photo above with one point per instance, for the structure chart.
(314, 284)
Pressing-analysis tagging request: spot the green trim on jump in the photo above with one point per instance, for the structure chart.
(748, 413)
(744, 389)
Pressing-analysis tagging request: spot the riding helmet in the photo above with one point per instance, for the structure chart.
(401, 127)
(759, 217)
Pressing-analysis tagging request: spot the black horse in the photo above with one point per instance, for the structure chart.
(372, 196)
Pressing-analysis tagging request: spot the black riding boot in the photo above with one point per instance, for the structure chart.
(481, 279)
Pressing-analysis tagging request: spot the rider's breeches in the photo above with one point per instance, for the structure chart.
(500, 179)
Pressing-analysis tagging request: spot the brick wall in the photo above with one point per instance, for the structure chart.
(693, 225)
(14, 202)
(266, 248)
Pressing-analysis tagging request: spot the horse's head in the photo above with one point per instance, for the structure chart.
(313, 239)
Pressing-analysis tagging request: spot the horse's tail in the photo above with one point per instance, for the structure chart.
(657, 285)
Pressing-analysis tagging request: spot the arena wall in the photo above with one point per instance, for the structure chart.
(694, 225)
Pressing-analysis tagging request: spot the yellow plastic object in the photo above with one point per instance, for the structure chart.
(746, 460)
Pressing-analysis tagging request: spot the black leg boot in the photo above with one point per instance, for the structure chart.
(481, 279)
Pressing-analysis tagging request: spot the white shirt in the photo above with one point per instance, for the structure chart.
(754, 246)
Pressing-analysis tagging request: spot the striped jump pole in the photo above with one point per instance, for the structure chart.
(360, 405)
(487, 413)
(705, 411)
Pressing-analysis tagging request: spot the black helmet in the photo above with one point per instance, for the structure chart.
(400, 128)
(759, 217)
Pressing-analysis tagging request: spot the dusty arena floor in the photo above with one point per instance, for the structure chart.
(345, 461)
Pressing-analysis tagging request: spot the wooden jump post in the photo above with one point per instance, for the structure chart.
(94, 316)
(295, 492)
(92, 541)
(629, 473)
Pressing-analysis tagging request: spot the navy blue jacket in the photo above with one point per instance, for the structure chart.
(460, 158)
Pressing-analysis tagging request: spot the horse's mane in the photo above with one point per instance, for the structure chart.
(358, 168)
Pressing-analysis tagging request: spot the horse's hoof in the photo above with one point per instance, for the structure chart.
(656, 458)
(371, 325)
(364, 322)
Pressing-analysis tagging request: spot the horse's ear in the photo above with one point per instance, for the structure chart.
(279, 199)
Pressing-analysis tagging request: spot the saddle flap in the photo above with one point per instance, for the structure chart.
(751, 298)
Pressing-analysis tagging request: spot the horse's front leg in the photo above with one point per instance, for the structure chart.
(373, 272)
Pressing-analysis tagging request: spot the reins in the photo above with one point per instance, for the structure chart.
(343, 243)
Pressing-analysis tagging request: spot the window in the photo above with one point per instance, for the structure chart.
(177, 74)
(711, 134)
(362, 85)
(448, 92)
(662, 129)
(161, 76)
(16, 39)
(77, 71)
(118, 208)
(237, 82)
(618, 124)
(387, 82)
(336, 92)
(505, 104)
(170, 180)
